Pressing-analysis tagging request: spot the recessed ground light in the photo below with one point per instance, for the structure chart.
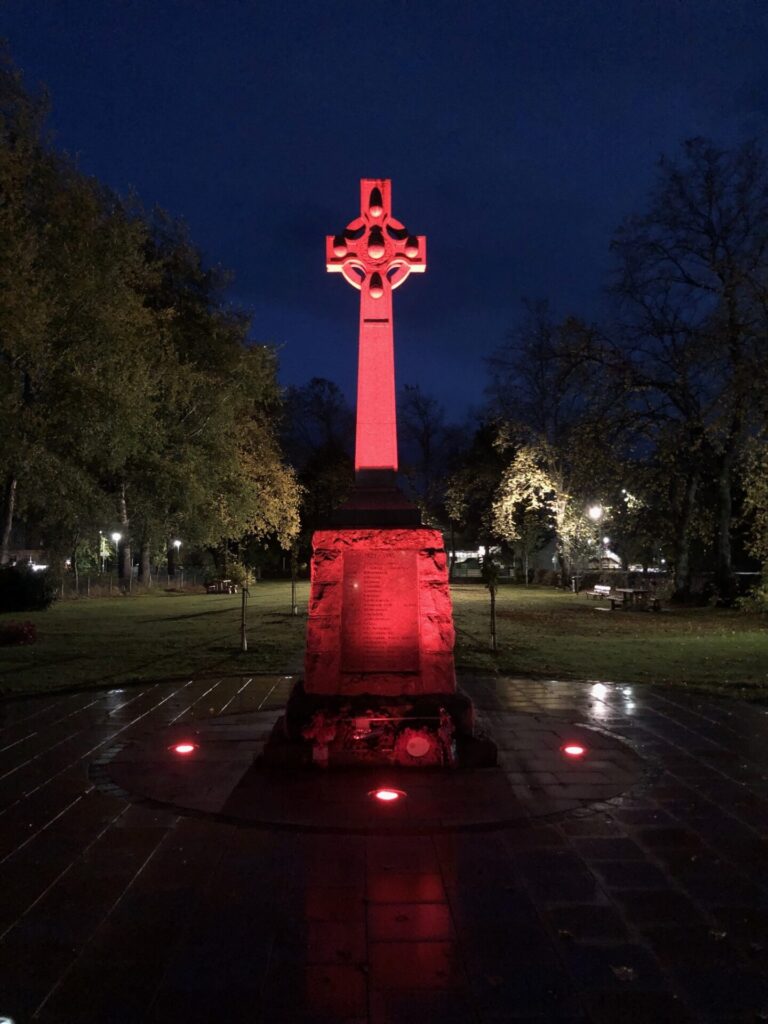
(183, 748)
(386, 796)
(574, 750)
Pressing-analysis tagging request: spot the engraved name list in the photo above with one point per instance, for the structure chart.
(380, 612)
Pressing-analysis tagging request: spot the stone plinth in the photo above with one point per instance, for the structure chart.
(380, 617)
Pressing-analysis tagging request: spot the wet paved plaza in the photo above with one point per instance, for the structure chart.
(650, 904)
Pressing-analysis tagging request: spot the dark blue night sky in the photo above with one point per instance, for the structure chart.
(517, 136)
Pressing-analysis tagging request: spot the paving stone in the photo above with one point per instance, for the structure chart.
(637, 1008)
(405, 887)
(646, 905)
(657, 907)
(334, 902)
(631, 874)
(612, 966)
(608, 848)
(534, 990)
(417, 1007)
(336, 942)
(691, 946)
(415, 965)
(566, 887)
(729, 991)
(639, 816)
(593, 825)
(586, 923)
(500, 948)
(409, 922)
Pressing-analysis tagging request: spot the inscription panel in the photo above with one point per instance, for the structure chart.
(380, 612)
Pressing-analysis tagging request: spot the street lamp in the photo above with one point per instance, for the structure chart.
(173, 557)
(595, 513)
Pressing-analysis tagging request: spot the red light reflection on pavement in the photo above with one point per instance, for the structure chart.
(386, 795)
(184, 748)
(574, 750)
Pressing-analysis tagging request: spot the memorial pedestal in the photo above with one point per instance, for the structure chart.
(379, 684)
(380, 619)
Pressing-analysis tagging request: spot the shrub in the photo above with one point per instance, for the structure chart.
(22, 590)
(13, 634)
(757, 598)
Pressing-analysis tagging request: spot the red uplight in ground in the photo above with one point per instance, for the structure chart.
(574, 750)
(184, 748)
(387, 796)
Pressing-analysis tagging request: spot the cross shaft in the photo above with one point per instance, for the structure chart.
(375, 254)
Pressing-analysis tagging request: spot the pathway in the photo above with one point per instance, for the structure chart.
(652, 906)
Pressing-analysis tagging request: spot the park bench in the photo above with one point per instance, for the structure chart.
(599, 590)
(221, 587)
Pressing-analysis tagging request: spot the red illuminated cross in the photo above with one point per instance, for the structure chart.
(375, 253)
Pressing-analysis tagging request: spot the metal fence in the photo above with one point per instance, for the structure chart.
(107, 584)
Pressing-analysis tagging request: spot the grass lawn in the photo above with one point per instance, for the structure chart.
(163, 635)
(543, 632)
(118, 640)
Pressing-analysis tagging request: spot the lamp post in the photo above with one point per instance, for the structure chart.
(116, 538)
(594, 514)
(176, 565)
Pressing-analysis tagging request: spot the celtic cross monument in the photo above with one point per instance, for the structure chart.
(375, 254)
(379, 685)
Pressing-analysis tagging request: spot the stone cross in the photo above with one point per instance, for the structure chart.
(376, 253)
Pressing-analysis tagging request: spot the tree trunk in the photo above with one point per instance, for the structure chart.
(144, 566)
(452, 561)
(73, 558)
(683, 540)
(562, 561)
(9, 505)
(294, 577)
(492, 591)
(125, 559)
(171, 560)
(561, 542)
(724, 578)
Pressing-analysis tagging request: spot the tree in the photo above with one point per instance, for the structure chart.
(316, 417)
(24, 308)
(258, 494)
(535, 486)
(472, 484)
(428, 449)
(559, 431)
(129, 391)
(692, 280)
(213, 473)
(317, 434)
(755, 482)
